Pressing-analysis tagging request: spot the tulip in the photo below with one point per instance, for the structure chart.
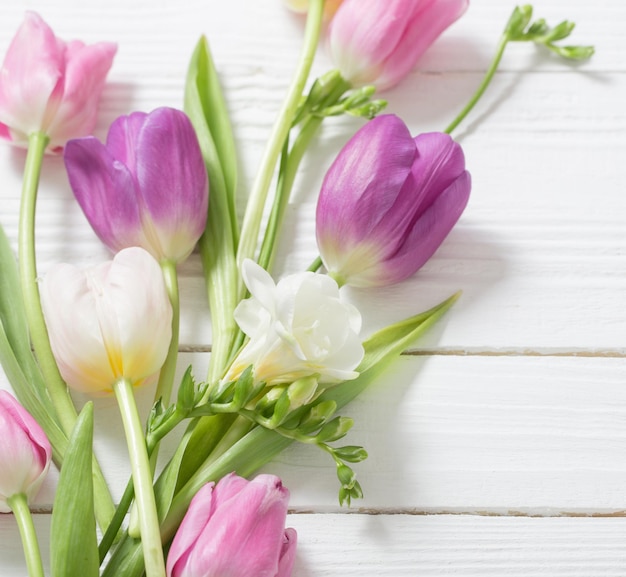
(298, 327)
(147, 186)
(235, 528)
(50, 86)
(388, 201)
(25, 452)
(108, 323)
(379, 41)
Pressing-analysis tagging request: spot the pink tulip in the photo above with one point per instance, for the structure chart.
(379, 41)
(51, 86)
(25, 452)
(235, 528)
(388, 201)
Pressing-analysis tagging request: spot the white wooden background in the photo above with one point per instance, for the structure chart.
(498, 447)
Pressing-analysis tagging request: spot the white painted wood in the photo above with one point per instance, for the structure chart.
(427, 546)
(539, 254)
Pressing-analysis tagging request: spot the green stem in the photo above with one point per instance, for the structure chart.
(316, 264)
(504, 40)
(19, 506)
(55, 386)
(142, 480)
(168, 370)
(258, 194)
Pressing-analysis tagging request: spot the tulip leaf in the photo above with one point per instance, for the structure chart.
(73, 540)
(13, 318)
(205, 107)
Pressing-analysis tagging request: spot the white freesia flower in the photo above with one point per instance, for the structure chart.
(109, 322)
(298, 327)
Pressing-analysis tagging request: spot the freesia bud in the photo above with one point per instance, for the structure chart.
(235, 528)
(51, 86)
(147, 186)
(25, 452)
(110, 322)
(388, 201)
(379, 41)
(297, 328)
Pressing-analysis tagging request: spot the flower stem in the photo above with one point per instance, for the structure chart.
(56, 387)
(19, 506)
(504, 40)
(258, 194)
(142, 480)
(166, 376)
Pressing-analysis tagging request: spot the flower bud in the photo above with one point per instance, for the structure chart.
(301, 6)
(147, 186)
(297, 328)
(235, 528)
(379, 41)
(109, 322)
(25, 452)
(51, 86)
(388, 201)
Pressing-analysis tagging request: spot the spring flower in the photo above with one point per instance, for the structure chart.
(235, 528)
(147, 186)
(109, 322)
(379, 41)
(388, 201)
(25, 452)
(297, 328)
(51, 86)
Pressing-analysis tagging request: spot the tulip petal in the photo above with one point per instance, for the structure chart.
(172, 182)
(123, 139)
(33, 66)
(105, 190)
(287, 553)
(422, 29)
(430, 230)
(85, 75)
(364, 181)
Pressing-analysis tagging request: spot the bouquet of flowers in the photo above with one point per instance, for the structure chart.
(286, 355)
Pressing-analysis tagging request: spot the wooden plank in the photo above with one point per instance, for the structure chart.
(531, 435)
(424, 546)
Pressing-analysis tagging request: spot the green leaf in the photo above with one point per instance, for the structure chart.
(73, 540)
(206, 106)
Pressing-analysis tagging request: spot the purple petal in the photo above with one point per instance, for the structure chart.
(105, 191)
(364, 181)
(123, 138)
(430, 230)
(172, 180)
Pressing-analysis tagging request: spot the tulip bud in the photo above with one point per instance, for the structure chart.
(379, 41)
(298, 327)
(110, 322)
(25, 452)
(51, 86)
(388, 201)
(235, 528)
(147, 186)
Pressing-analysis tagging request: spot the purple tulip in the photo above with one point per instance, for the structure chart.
(147, 186)
(25, 452)
(235, 528)
(388, 201)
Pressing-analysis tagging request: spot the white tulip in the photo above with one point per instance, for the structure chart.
(297, 328)
(107, 323)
